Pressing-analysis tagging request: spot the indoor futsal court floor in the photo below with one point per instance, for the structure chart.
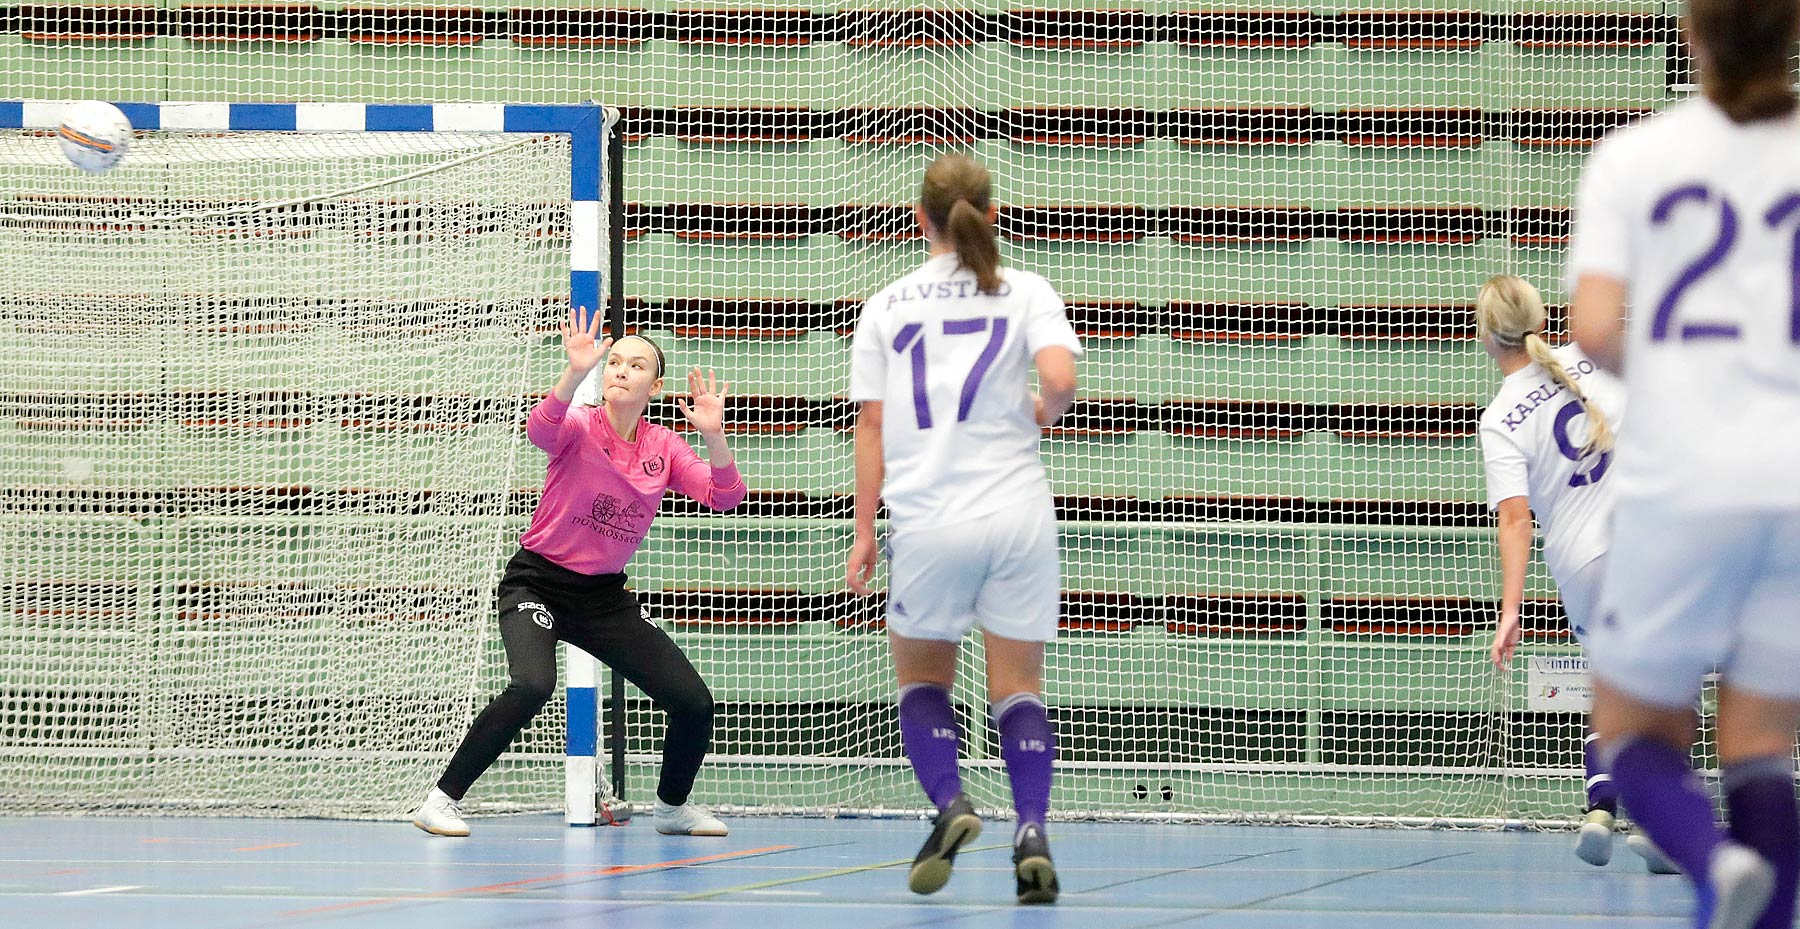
(528, 872)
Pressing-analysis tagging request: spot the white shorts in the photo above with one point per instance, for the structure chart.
(1580, 596)
(1685, 593)
(1000, 570)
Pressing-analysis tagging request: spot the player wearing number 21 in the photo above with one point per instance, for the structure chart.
(947, 433)
(1691, 219)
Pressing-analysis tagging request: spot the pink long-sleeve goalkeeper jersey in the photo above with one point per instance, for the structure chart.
(601, 492)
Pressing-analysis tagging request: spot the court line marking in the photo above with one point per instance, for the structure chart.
(264, 848)
(1252, 904)
(328, 864)
(1202, 867)
(818, 876)
(98, 890)
(972, 908)
(509, 887)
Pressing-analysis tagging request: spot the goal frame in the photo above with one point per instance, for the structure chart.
(595, 256)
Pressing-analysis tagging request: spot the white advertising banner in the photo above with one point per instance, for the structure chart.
(1558, 684)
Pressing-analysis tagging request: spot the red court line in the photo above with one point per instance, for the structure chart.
(63, 871)
(264, 848)
(516, 886)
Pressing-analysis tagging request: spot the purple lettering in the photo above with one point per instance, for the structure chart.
(911, 335)
(911, 341)
(1777, 215)
(972, 383)
(1691, 274)
(1571, 451)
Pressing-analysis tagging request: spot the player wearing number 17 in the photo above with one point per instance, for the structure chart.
(947, 433)
(1690, 220)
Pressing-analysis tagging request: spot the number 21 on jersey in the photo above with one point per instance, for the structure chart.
(1662, 324)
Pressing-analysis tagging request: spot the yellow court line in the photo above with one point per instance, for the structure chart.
(764, 885)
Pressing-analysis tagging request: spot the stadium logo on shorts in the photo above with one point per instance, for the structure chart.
(655, 466)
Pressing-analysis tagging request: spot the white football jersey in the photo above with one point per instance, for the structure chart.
(1531, 439)
(951, 367)
(1700, 219)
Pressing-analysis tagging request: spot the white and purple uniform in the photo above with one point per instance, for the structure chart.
(1531, 440)
(973, 530)
(1699, 218)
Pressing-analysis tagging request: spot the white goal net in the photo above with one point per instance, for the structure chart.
(259, 441)
(260, 466)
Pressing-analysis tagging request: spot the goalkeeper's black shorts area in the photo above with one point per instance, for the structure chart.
(541, 603)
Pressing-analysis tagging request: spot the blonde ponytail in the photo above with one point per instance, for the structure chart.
(955, 198)
(1600, 434)
(1511, 312)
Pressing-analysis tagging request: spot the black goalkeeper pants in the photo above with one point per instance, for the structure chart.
(541, 602)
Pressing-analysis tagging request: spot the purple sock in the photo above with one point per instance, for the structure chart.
(931, 737)
(1658, 785)
(1759, 793)
(1602, 793)
(1028, 746)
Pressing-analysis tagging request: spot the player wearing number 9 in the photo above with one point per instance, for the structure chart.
(947, 433)
(1692, 220)
(1547, 442)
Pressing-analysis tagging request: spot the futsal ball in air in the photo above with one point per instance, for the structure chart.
(94, 135)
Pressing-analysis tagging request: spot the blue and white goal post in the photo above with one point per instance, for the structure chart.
(595, 229)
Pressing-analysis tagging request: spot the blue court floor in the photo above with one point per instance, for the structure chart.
(529, 872)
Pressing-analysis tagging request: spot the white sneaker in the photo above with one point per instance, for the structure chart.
(1742, 883)
(1593, 844)
(440, 815)
(1655, 861)
(687, 819)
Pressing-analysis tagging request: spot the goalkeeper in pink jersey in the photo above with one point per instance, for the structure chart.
(608, 471)
(947, 434)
